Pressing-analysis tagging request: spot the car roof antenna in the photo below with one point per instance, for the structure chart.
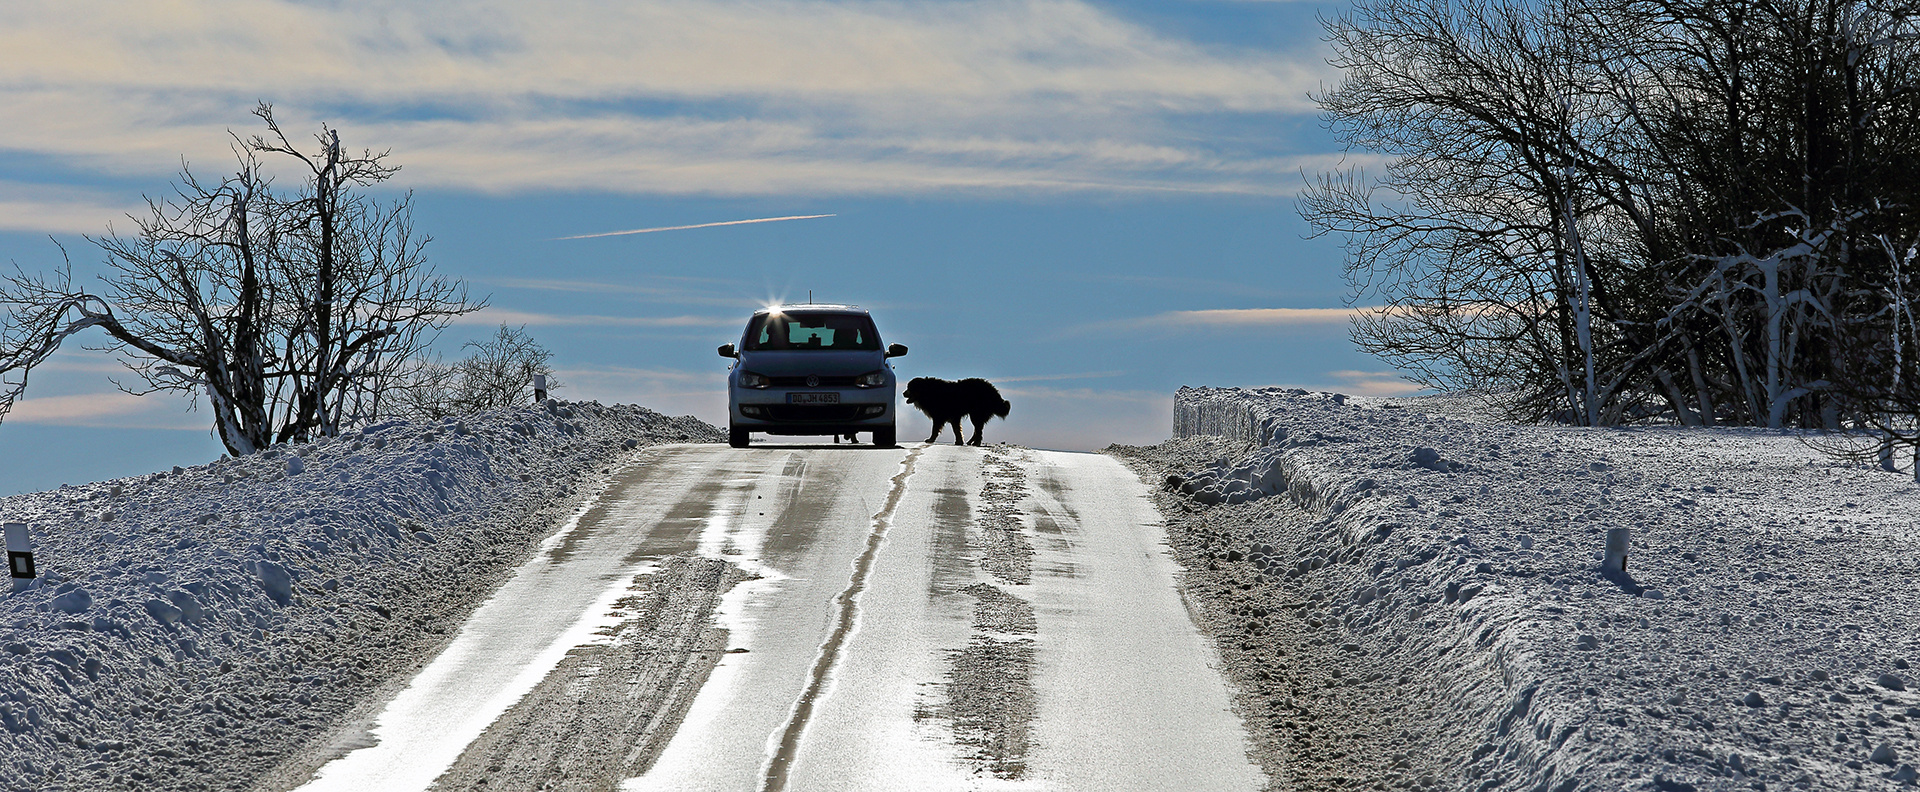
(809, 296)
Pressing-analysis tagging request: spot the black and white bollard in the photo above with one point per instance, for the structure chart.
(19, 555)
(1616, 557)
(539, 387)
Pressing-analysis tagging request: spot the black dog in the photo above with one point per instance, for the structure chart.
(947, 402)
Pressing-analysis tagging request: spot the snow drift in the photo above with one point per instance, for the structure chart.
(1761, 637)
(190, 628)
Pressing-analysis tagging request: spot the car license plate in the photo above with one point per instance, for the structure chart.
(813, 398)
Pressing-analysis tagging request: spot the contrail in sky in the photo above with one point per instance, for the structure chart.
(699, 225)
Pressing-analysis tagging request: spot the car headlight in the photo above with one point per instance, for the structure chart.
(871, 380)
(749, 379)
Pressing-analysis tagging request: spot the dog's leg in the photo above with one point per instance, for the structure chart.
(979, 424)
(957, 434)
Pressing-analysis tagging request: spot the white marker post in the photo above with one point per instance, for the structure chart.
(539, 387)
(1616, 558)
(19, 555)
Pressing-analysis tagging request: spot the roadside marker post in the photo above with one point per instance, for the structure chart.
(539, 387)
(19, 554)
(1616, 558)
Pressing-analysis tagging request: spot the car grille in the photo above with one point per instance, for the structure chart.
(801, 382)
(814, 412)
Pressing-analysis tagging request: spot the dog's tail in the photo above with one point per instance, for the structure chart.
(1004, 408)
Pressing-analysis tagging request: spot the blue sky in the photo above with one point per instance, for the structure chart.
(1090, 203)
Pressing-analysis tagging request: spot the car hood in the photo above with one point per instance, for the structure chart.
(830, 363)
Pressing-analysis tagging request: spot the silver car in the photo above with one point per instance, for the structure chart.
(810, 370)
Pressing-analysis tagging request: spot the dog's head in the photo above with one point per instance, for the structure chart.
(916, 387)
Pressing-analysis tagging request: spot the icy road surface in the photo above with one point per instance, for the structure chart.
(923, 618)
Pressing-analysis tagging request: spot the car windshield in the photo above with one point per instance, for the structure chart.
(801, 331)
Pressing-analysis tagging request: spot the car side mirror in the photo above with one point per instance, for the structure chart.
(896, 350)
(726, 351)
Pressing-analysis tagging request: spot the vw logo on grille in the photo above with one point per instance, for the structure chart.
(813, 381)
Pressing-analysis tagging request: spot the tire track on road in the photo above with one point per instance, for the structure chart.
(988, 691)
(849, 607)
(607, 709)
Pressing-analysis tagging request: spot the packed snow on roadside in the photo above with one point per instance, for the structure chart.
(191, 627)
(1409, 596)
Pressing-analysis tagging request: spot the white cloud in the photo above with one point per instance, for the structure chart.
(1375, 383)
(668, 96)
(1234, 318)
(75, 387)
(106, 409)
(1263, 317)
(696, 156)
(51, 208)
(76, 360)
(1291, 317)
(922, 55)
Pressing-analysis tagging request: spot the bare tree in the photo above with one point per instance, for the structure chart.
(364, 295)
(1881, 375)
(1621, 208)
(187, 302)
(1494, 245)
(498, 372)
(290, 312)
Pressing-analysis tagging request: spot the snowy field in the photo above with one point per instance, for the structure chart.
(1405, 596)
(1410, 597)
(192, 627)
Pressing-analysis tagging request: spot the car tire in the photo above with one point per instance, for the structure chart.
(883, 436)
(737, 437)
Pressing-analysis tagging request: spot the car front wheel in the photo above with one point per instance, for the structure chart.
(883, 436)
(737, 437)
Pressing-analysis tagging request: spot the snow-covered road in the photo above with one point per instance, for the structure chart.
(921, 618)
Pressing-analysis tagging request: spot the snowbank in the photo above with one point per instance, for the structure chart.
(191, 627)
(1416, 598)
